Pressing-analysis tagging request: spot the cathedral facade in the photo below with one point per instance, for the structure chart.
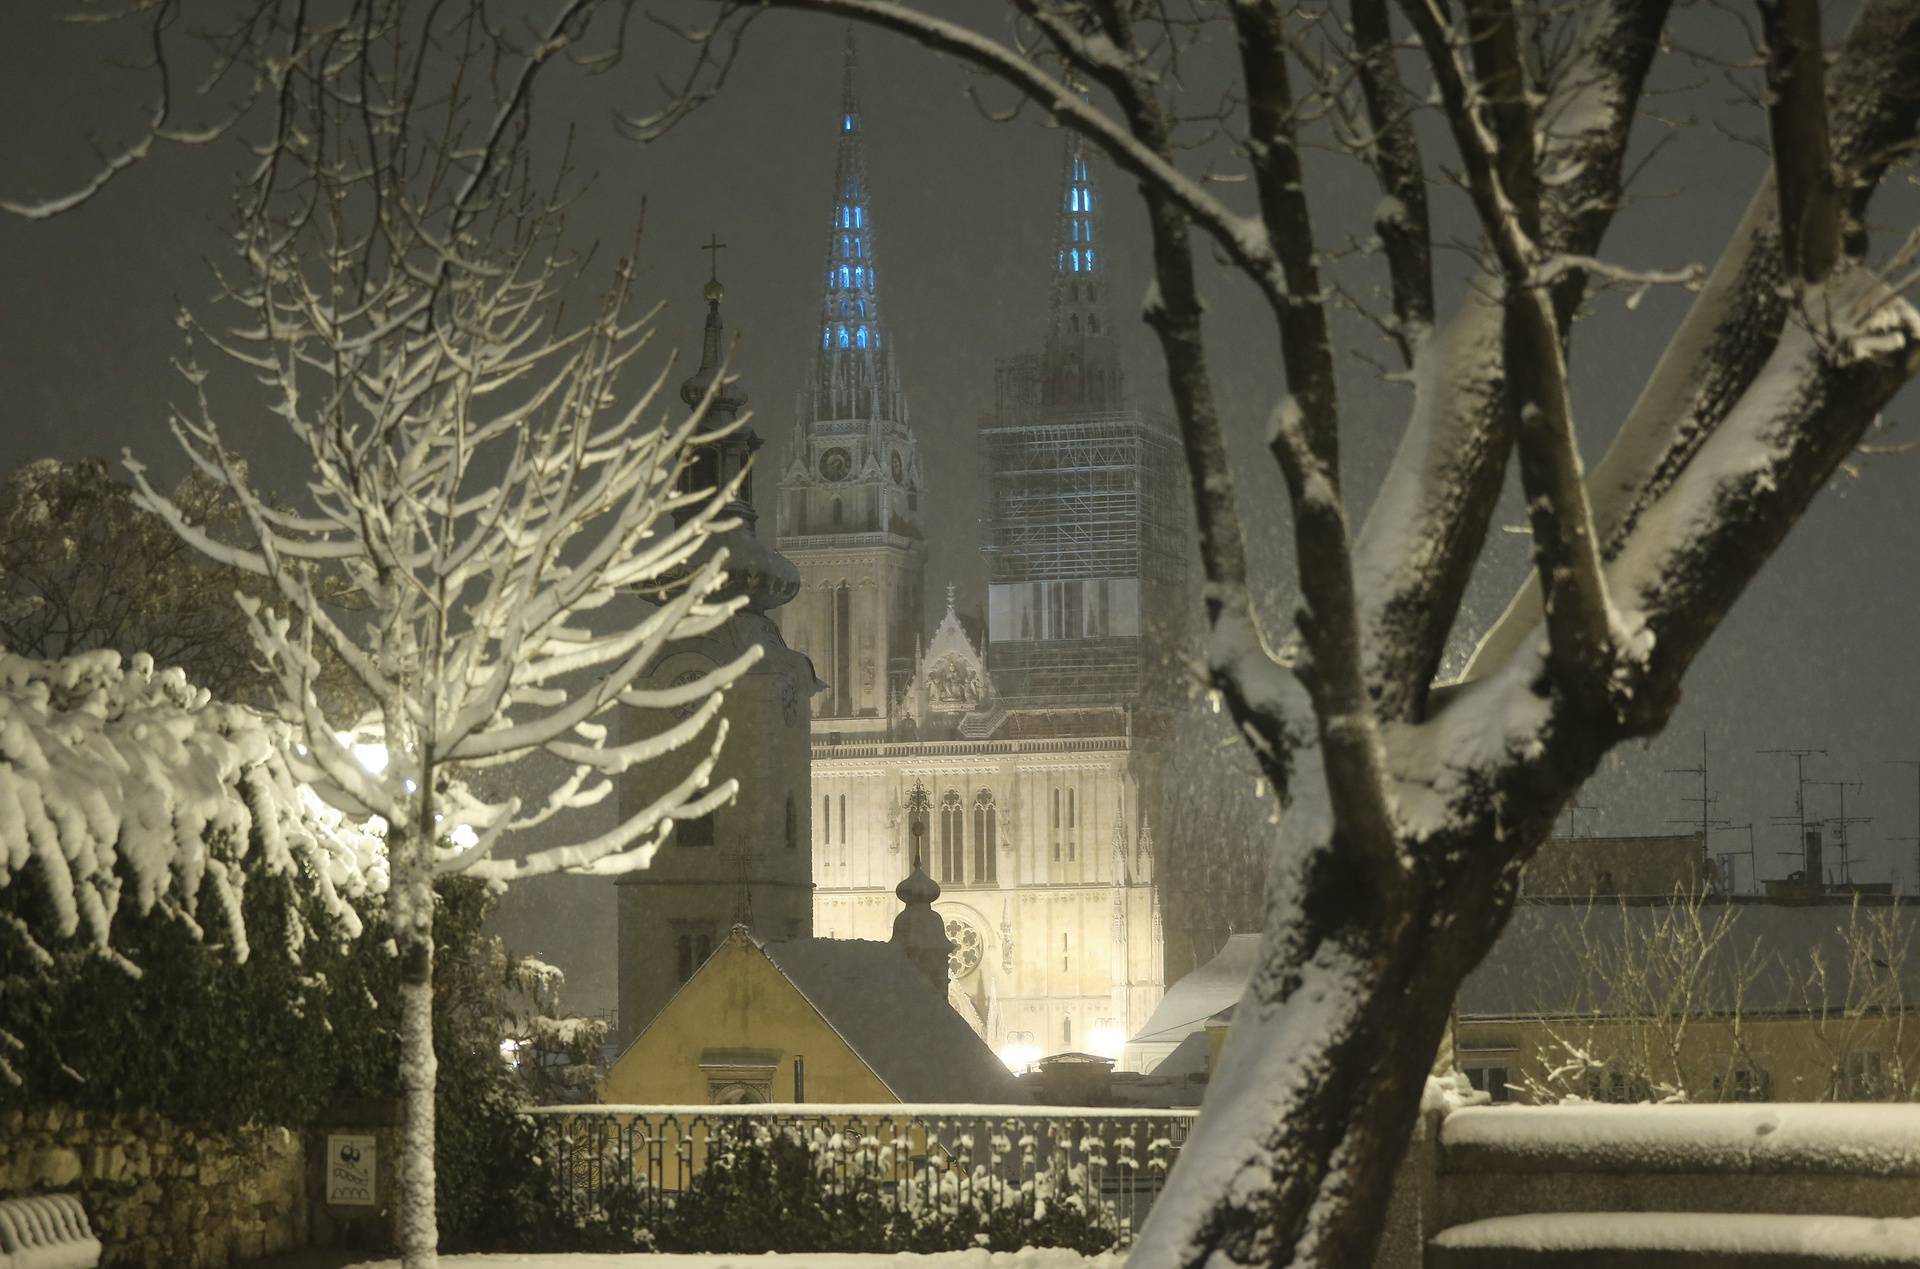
(1005, 758)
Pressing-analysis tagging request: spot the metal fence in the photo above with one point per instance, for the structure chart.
(945, 1158)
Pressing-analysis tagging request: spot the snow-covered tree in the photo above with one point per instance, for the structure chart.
(1410, 808)
(83, 567)
(486, 477)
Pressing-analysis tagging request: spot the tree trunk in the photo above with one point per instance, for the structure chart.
(1319, 1087)
(419, 1234)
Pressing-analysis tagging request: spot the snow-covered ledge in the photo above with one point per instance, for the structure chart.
(1757, 1158)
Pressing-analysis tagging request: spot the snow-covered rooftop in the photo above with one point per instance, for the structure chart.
(895, 1020)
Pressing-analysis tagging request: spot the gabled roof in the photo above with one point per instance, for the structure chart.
(894, 1020)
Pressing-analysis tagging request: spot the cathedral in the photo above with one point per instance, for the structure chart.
(1002, 758)
(1005, 758)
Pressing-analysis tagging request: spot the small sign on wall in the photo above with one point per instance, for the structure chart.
(350, 1170)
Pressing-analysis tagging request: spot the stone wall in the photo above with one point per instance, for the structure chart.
(160, 1193)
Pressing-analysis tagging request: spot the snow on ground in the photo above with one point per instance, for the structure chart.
(1026, 1258)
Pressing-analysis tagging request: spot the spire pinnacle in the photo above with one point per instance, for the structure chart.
(855, 376)
(1082, 362)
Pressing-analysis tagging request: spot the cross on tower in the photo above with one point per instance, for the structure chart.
(713, 247)
(743, 897)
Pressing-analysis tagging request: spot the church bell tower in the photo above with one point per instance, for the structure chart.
(851, 495)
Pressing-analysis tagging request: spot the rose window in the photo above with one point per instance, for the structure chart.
(966, 947)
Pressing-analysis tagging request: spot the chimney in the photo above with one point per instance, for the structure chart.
(918, 930)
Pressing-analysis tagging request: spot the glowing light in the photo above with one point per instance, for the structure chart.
(1018, 1057)
(510, 1051)
(370, 754)
(463, 837)
(1106, 1042)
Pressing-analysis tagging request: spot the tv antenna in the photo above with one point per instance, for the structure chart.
(1706, 799)
(1574, 807)
(1753, 863)
(1915, 839)
(1799, 816)
(1841, 822)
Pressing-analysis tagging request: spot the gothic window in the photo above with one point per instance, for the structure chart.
(826, 820)
(986, 832)
(843, 640)
(844, 340)
(1074, 255)
(1066, 1031)
(859, 277)
(1073, 835)
(1089, 259)
(843, 819)
(1056, 823)
(1093, 324)
(953, 839)
(697, 831)
(837, 513)
(690, 950)
(860, 337)
(844, 276)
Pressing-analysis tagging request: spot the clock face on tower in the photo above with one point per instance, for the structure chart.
(899, 469)
(835, 464)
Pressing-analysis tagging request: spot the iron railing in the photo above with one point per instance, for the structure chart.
(979, 1158)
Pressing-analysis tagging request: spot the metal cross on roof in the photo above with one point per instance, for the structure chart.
(713, 247)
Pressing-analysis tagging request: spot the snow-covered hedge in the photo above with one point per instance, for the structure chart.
(769, 1187)
(128, 785)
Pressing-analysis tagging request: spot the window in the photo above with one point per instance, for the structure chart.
(697, 831)
(860, 337)
(1066, 1032)
(1066, 954)
(1743, 1082)
(985, 835)
(1491, 1080)
(837, 514)
(953, 844)
(826, 820)
(842, 336)
(1093, 324)
(690, 950)
(843, 819)
(1056, 823)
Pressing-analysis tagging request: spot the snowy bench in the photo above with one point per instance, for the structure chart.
(46, 1231)
(1674, 1240)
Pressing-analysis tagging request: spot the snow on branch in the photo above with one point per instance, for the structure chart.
(127, 785)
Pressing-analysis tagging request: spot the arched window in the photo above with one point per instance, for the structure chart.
(1075, 256)
(1073, 834)
(843, 819)
(953, 839)
(1093, 324)
(860, 337)
(845, 276)
(986, 835)
(826, 338)
(836, 513)
(1089, 259)
(843, 337)
(859, 276)
(826, 820)
(1066, 1032)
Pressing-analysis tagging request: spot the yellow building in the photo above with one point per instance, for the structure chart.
(814, 1020)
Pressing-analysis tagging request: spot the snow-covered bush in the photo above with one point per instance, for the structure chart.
(138, 815)
(792, 1188)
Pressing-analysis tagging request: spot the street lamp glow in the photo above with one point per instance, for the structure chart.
(1018, 1057)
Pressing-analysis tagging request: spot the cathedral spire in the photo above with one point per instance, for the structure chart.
(1082, 364)
(855, 377)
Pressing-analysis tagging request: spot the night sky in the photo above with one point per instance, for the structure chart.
(1819, 653)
